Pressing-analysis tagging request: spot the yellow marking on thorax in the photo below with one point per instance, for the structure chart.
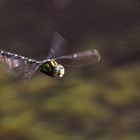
(54, 63)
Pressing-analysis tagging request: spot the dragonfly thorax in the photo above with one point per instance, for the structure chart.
(52, 68)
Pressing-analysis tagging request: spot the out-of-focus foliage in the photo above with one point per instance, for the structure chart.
(99, 102)
(105, 107)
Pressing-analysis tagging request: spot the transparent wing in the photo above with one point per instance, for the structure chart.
(57, 47)
(19, 68)
(80, 59)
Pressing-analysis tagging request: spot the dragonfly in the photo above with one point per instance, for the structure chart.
(23, 67)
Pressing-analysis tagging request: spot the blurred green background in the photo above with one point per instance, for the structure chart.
(98, 102)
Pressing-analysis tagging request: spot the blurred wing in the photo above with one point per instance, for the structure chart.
(57, 47)
(19, 68)
(80, 59)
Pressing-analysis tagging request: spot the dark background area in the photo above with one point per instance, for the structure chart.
(99, 102)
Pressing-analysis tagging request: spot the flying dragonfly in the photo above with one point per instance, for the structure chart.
(23, 67)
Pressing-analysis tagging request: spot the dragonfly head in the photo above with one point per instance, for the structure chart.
(59, 70)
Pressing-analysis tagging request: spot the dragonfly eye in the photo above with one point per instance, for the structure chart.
(59, 70)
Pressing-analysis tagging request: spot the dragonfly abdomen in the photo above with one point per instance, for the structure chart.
(8, 54)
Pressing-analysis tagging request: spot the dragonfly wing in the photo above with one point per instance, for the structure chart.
(19, 68)
(80, 59)
(57, 47)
